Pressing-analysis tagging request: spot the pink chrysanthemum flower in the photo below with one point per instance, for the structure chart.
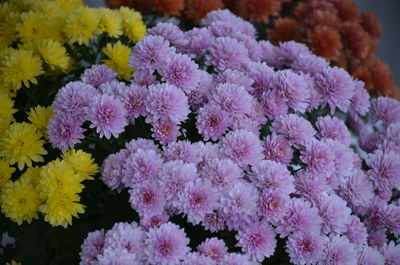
(318, 157)
(389, 217)
(111, 170)
(198, 97)
(370, 256)
(126, 239)
(173, 177)
(152, 221)
(181, 150)
(197, 199)
(134, 98)
(309, 63)
(251, 44)
(147, 199)
(357, 190)
(302, 216)
(262, 76)
(297, 130)
(212, 122)
(334, 213)
(166, 101)
(356, 232)
(233, 99)
(274, 105)
(91, 247)
(289, 51)
(360, 101)
(142, 77)
(384, 169)
(385, 109)
(214, 248)
(97, 75)
(199, 40)
(166, 244)
(277, 148)
(165, 131)
(221, 172)
(64, 131)
(181, 71)
(305, 247)
(170, 32)
(150, 53)
(343, 160)
(271, 175)
(143, 165)
(336, 87)
(112, 88)
(243, 147)
(214, 221)
(310, 185)
(237, 259)
(141, 143)
(293, 88)
(333, 128)
(273, 205)
(339, 251)
(257, 240)
(108, 116)
(195, 258)
(239, 205)
(234, 77)
(73, 99)
(226, 52)
(391, 253)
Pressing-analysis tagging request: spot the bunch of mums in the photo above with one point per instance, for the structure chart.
(235, 151)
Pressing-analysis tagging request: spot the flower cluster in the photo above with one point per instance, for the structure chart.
(52, 189)
(247, 139)
(55, 37)
(338, 31)
(252, 10)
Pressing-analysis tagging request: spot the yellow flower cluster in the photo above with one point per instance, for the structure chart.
(53, 190)
(38, 37)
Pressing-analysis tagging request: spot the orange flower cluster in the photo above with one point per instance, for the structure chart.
(192, 9)
(252, 10)
(340, 32)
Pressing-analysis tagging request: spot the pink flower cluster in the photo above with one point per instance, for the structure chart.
(276, 158)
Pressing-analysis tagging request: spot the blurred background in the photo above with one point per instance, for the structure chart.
(388, 13)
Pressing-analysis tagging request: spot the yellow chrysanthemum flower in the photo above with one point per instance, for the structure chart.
(6, 112)
(110, 22)
(31, 175)
(55, 26)
(5, 172)
(13, 262)
(39, 117)
(33, 27)
(129, 13)
(20, 201)
(81, 162)
(69, 5)
(53, 54)
(8, 29)
(21, 144)
(60, 187)
(82, 25)
(118, 55)
(24, 5)
(46, 7)
(134, 29)
(19, 67)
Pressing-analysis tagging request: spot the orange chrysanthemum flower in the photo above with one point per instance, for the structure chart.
(371, 24)
(325, 42)
(356, 40)
(285, 29)
(258, 10)
(347, 10)
(169, 7)
(197, 9)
